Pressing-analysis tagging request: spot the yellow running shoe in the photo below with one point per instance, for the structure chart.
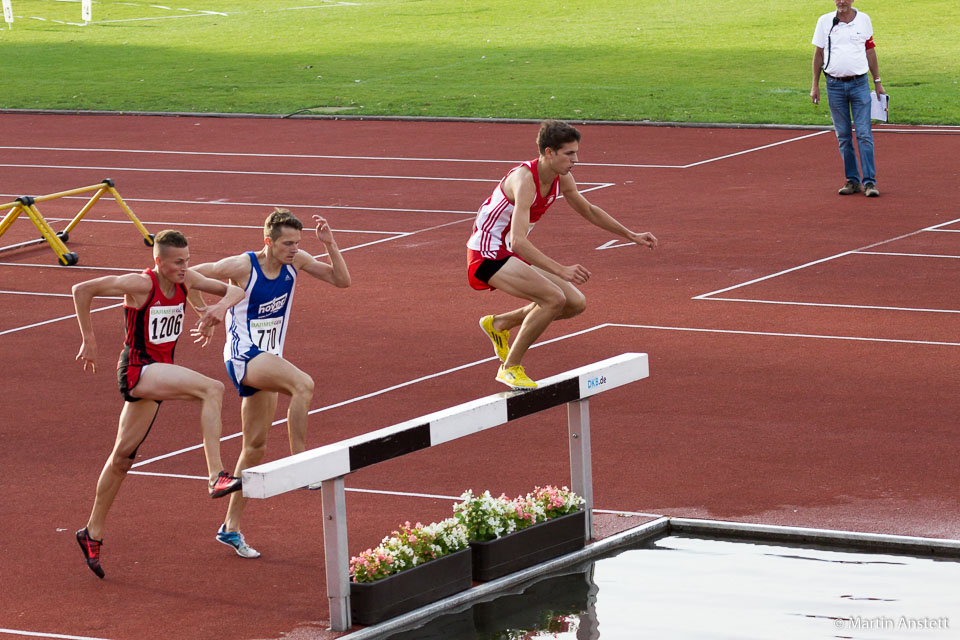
(515, 378)
(500, 339)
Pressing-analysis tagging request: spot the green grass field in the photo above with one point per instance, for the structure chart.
(698, 61)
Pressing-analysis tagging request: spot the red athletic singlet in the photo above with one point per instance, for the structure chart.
(153, 329)
(491, 230)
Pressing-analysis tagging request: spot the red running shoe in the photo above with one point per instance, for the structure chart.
(224, 484)
(91, 551)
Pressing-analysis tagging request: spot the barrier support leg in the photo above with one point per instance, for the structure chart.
(12, 215)
(581, 467)
(49, 234)
(336, 553)
(77, 218)
(147, 238)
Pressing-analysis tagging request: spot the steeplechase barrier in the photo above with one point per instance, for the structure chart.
(331, 463)
(57, 239)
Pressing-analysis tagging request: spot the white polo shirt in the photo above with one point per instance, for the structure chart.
(848, 53)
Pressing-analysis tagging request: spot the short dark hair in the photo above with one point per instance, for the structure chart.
(169, 238)
(280, 218)
(554, 134)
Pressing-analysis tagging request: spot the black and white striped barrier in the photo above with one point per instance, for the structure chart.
(329, 464)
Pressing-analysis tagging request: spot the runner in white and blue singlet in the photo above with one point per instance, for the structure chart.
(258, 323)
(254, 342)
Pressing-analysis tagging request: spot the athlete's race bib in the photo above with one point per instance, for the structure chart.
(265, 334)
(165, 323)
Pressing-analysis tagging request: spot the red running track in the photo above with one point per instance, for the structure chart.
(824, 396)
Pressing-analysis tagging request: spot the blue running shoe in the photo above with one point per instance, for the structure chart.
(235, 539)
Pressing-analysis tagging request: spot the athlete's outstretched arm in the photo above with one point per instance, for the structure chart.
(234, 269)
(336, 273)
(213, 314)
(600, 218)
(133, 286)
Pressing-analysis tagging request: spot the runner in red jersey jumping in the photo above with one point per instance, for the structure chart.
(500, 256)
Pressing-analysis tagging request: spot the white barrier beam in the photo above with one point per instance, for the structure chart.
(344, 457)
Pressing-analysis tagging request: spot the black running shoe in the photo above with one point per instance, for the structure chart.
(91, 551)
(224, 484)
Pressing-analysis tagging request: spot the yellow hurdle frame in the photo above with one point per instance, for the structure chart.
(57, 240)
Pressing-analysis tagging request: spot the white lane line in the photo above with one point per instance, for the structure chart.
(57, 295)
(372, 394)
(766, 146)
(404, 494)
(227, 203)
(705, 296)
(399, 494)
(813, 336)
(394, 158)
(839, 306)
(908, 255)
(384, 492)
(40, 634)
(546, 342)
(72, 315)
(72, 268)
(938, 227)
(160, 223)
(294, 174)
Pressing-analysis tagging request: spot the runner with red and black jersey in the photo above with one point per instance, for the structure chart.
(154, 304)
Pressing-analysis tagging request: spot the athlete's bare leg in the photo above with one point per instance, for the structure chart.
(160, 381)
(135, 420)
(256, 413)
(550, 296)
(272, 373)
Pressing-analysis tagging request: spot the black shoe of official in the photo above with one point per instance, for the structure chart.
(870, 190)
(850, 188)
(91, 551)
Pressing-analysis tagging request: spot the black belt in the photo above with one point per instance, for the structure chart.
(846, 78)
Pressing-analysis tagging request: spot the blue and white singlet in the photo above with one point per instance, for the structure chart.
(259, 321)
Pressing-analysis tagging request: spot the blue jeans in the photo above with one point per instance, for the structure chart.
(847, 97)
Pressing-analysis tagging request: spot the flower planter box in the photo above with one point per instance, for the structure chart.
(372, 602)
(496, 558)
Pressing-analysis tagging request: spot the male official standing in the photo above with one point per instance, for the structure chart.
(844, 51)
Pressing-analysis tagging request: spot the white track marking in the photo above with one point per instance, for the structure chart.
(38, 634)
(836, 305)
(73, 268)
(909, 255)
(57, 295)
(73, 315)
(705, 296)
(160, 223)
(227, 203)
(409, 159)
(745, 151)
(372, 394)
(294, 174)
(813, 336)
(544, 343)
(384, 492)
(611, 244)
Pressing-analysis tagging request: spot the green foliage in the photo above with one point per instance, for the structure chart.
(704, 60)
